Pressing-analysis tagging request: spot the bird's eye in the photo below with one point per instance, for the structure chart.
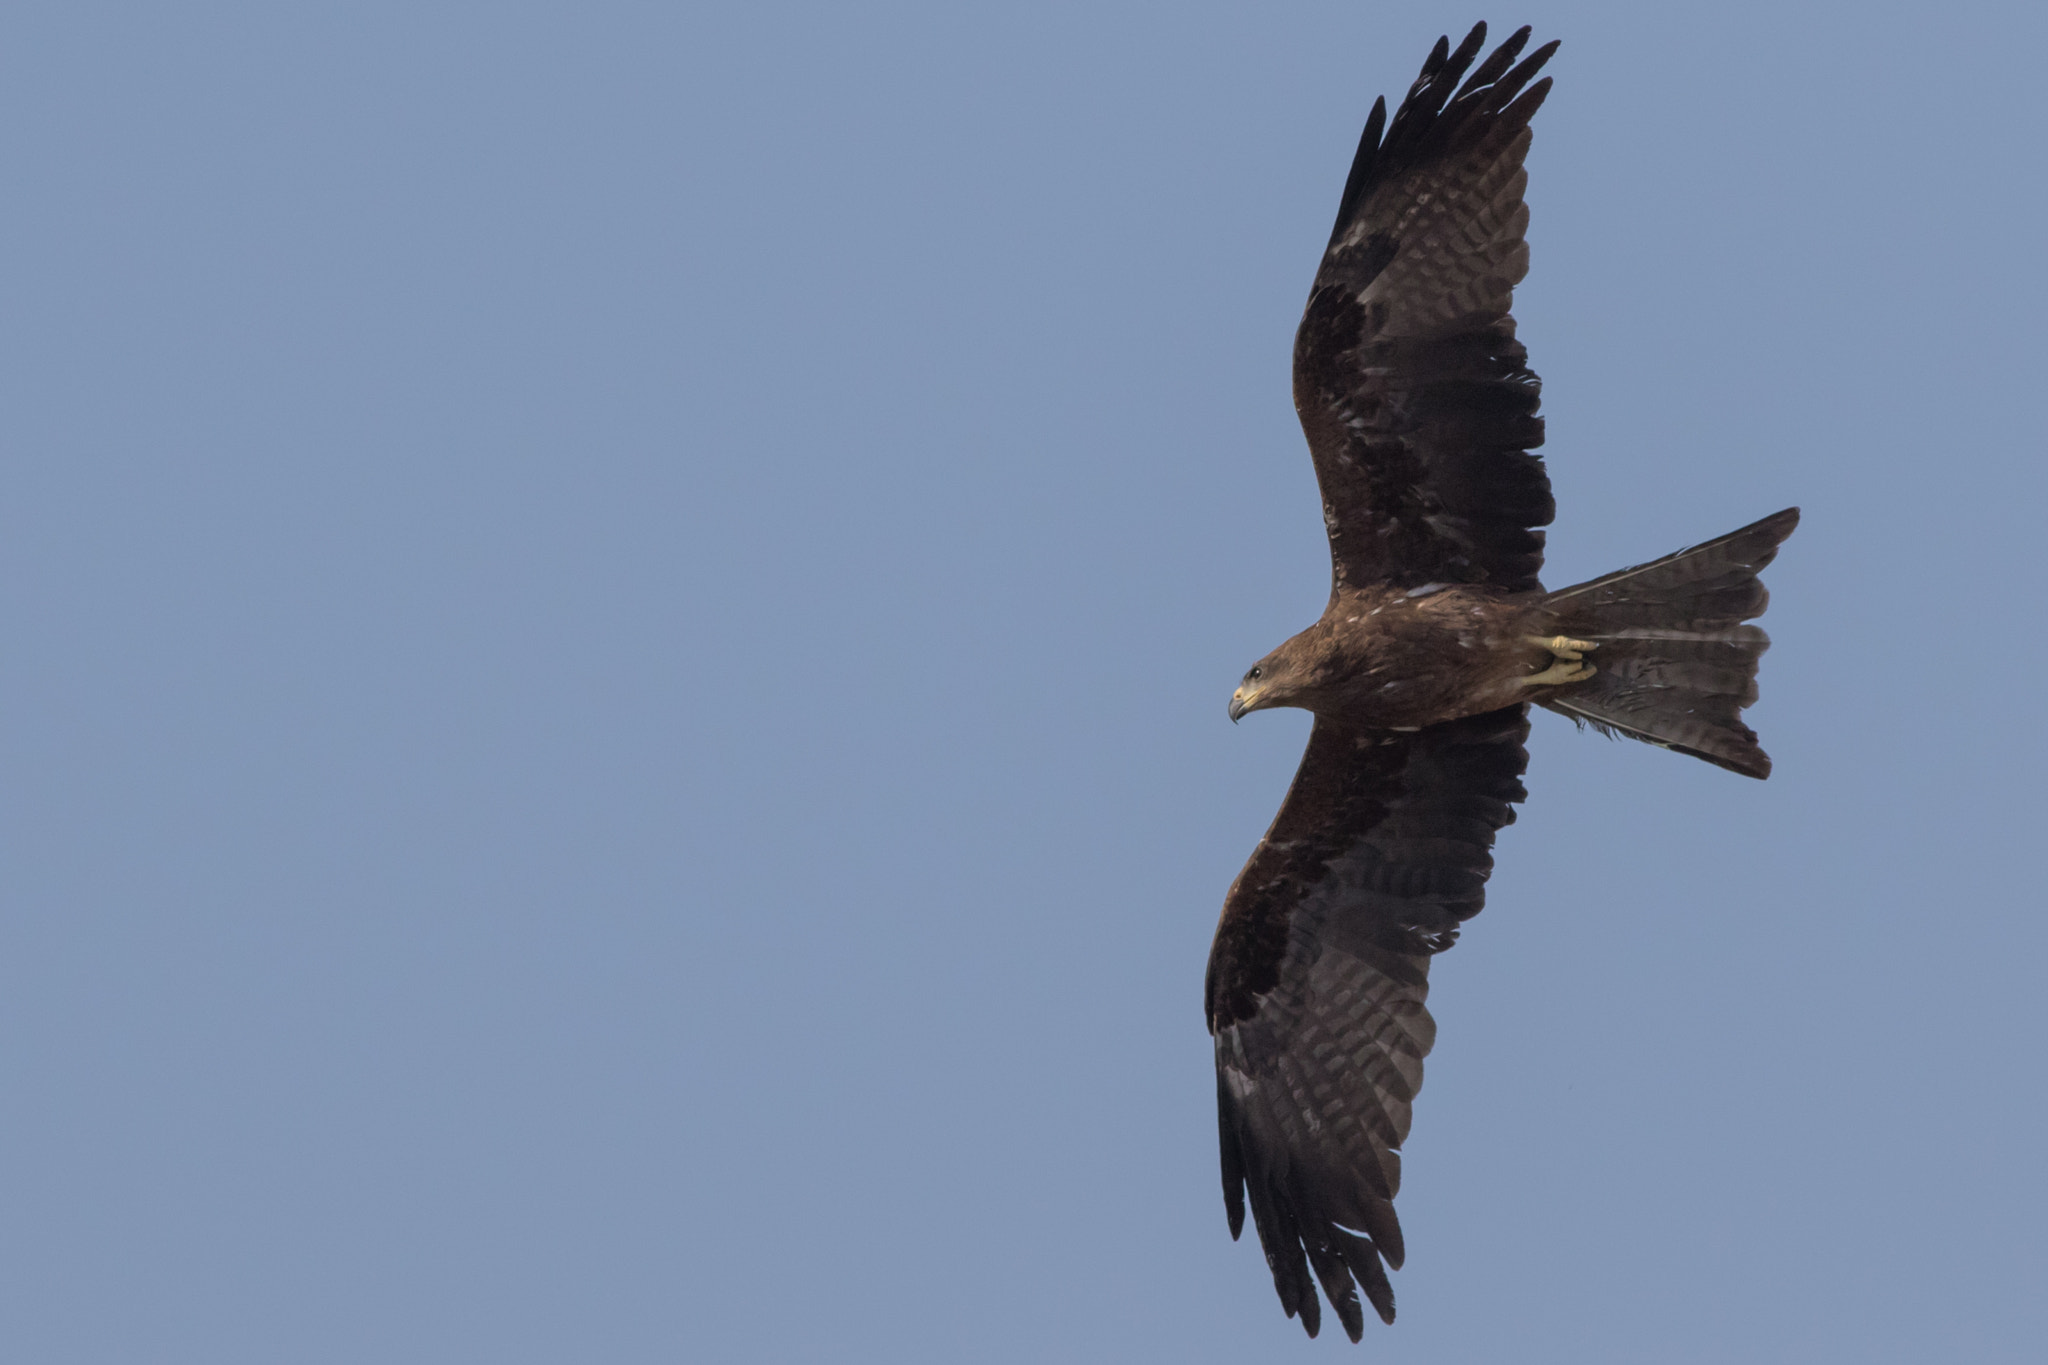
(1253, 674)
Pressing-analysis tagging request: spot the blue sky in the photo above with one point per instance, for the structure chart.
(617, 627)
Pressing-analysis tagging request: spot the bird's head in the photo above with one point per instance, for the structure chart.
(1276, 680)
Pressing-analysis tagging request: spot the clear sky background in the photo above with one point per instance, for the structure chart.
(616, 629)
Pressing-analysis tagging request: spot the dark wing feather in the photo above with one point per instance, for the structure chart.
(1316, 988)
(1418, 402)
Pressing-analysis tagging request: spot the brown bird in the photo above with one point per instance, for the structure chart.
(1420, 411)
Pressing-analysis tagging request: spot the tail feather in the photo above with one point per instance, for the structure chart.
(1675, 663)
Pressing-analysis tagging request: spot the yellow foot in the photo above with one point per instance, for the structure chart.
(1558, 674)
(1563, 646)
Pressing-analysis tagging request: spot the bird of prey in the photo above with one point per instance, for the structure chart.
(1420, 411)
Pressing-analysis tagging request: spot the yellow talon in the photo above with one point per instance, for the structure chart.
(1560, 673)
(1564, 646)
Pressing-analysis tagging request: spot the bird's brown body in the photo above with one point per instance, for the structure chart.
(1384, 659)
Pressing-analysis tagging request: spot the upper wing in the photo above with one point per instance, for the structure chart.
(1418, 402)
(1316, 988)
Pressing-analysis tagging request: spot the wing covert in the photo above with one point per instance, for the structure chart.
(1415, 396)
(1317, 983)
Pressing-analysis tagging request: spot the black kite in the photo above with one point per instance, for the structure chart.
(1420, 411)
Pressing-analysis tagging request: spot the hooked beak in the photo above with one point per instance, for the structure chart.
(1241, 701)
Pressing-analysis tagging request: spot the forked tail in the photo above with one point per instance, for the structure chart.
(1675, 663)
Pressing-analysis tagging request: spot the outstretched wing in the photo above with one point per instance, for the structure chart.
(1418, 402)
(1316, 987)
